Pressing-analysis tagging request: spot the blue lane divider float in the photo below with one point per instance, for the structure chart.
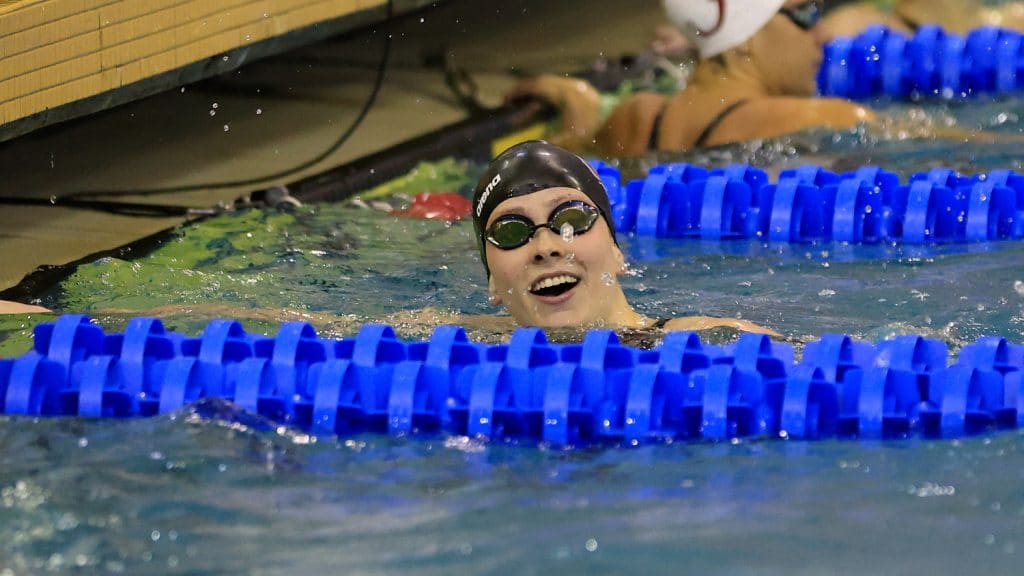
(811, 204)
(931, 63)
(595, 391)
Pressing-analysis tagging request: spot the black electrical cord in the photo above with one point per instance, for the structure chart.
(80, 199)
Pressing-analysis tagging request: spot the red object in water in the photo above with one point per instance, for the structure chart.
(437, 206)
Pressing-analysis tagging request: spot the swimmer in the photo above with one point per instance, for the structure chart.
(906, 16)
(755, 78)
(547, 243)
(9, 307)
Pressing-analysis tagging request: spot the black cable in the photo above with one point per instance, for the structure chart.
(76, 199)
(123, 208)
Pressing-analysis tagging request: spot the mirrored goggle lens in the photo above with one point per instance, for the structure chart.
(512, 231)
(579, 216)
(805, 15)
(509, 233)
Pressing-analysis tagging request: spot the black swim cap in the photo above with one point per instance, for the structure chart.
(530, 167)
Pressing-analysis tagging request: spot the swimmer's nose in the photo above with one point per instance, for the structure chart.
(547, 244)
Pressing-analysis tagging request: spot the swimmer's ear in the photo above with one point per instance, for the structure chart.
(620, 260)
(492, 292)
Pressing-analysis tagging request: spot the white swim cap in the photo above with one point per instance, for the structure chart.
(715, 26)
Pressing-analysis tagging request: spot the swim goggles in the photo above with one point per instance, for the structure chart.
(514, 230)
(805, 15)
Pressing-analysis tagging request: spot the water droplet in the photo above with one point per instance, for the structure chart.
(568, 232)
(154, 535)
(259, 111)
(226, 128)
(213, 112)
(214, 105)
(591, 545)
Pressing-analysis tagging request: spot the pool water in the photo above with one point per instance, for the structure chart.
(197, 495)
(213, 490)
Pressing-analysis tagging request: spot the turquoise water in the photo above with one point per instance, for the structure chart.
(212, 490)
(194, 495)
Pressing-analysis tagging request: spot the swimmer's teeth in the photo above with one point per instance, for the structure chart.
(549, 282)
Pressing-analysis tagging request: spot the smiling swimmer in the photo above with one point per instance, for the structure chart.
(543, 225)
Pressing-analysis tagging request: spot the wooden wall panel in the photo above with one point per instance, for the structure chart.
(56, 52)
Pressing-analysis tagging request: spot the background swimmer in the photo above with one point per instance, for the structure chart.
(957, 16)
(745, 85)
(755, 79)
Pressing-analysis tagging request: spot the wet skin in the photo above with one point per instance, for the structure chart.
(592, 261)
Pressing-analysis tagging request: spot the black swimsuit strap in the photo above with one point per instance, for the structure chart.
(710, 128)
(652, 141)
(913, 26)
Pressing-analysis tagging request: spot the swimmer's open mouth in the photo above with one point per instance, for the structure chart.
(554, 286)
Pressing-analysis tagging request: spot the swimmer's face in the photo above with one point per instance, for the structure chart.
(789, 54)
(556, 280)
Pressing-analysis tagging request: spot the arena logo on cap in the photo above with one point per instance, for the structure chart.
(487, 192)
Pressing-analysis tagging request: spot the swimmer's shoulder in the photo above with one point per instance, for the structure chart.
(697, 323)
(777, 115)
(9, 307)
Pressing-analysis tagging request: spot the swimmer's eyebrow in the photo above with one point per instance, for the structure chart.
(499, 212)
(551, 204)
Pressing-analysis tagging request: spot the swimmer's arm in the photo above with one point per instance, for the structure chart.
(8, 307)
(1009, 15)
(578, 102)
(629, 127)
(425, 320)
(776, 116)
(917, 128)
(851, 19)
(694, 323)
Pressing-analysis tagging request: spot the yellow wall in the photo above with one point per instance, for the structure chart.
(53, 52)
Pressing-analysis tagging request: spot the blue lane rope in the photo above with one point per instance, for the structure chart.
(932, 63)
(811, 204)
(596, 391)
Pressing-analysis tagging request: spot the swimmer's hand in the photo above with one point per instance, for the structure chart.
(578, 102)
(694, 323)
(670, 42)
(8, 307)
(425, 320)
